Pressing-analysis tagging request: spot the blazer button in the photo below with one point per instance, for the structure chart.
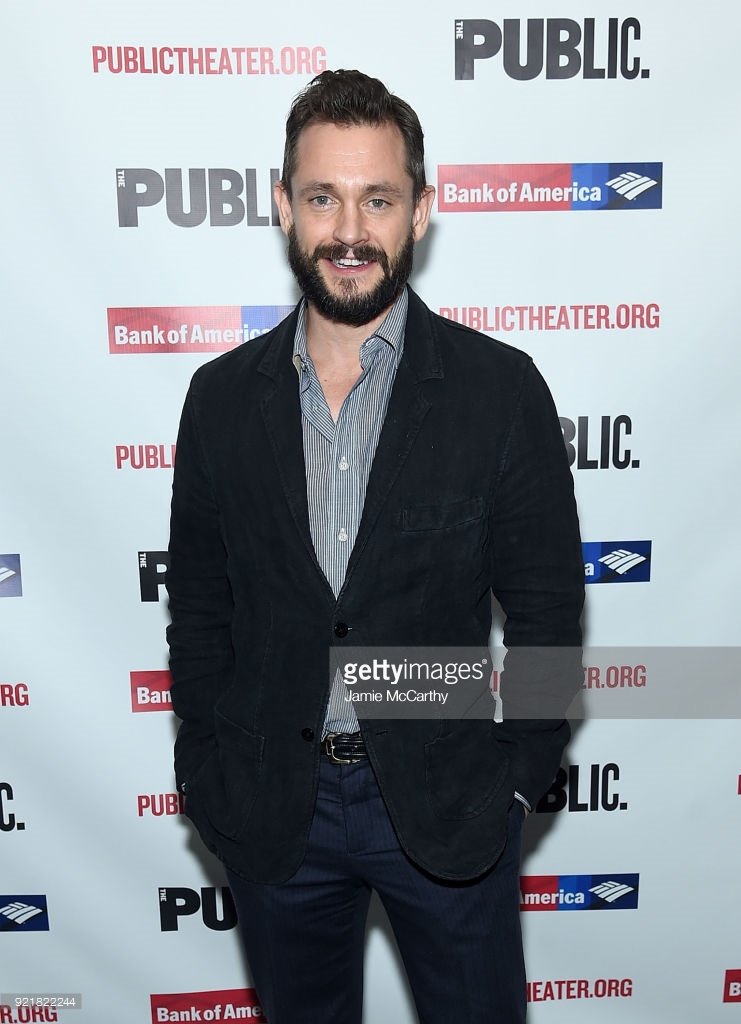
(307, 734)
(341, 629)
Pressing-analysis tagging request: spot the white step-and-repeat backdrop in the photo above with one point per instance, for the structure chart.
(586, 212)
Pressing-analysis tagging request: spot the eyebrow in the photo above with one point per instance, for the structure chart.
(377, 188)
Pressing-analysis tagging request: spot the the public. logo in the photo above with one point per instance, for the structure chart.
(557, 48)
(590, 445)
(732, 987)
(11, 584)
(9, 822)
(584, 788)
(159, 805)
(216, 906)
(617, 561)
(153, 566)
(137, 330)
(497, 188)
(150, 691)
(579, 892)
(224, 1004)
(145, 456)
(223, 196)
(23, 913)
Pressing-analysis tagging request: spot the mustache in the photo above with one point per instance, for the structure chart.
(338, 251)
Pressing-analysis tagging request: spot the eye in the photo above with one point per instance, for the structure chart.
(320, 201)
(377, 203)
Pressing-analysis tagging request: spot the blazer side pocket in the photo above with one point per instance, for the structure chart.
(226, 785)
(463, 773)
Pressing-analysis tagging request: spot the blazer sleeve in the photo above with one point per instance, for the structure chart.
(201, 603)
(537, 575)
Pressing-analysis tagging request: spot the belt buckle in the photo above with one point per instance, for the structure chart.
(333, 758)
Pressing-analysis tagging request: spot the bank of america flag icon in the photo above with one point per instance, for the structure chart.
(10, 576)
(617, 561)
(621, 560)
(611, 891)
(23, 913)
(631, 184)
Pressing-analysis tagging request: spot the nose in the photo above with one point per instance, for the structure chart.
(349, 227)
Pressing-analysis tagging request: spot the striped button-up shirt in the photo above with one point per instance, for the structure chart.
(339, 456)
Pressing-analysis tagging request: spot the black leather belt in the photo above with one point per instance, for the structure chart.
(344, 747)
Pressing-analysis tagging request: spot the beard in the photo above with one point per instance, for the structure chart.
(349, 304)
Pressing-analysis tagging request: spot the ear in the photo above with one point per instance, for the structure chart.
(285, 213)
(421, 215)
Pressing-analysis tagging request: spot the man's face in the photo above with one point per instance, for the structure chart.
(352, 222)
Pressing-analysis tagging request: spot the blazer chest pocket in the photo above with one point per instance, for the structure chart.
(428, 518)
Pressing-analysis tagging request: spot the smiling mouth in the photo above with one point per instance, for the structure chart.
(345, 263)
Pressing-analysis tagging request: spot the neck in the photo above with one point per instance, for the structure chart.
(330, 342)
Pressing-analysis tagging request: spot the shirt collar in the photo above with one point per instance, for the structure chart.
(390, 330)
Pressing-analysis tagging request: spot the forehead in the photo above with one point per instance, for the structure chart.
(350, 153)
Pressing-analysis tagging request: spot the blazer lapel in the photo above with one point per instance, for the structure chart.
(408, 405)
(281, 412)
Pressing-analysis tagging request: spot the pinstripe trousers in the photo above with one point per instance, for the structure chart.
(460, 942)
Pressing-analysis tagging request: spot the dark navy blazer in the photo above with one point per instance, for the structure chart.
(470, 493)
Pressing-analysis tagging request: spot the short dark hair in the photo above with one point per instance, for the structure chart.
(352, 98)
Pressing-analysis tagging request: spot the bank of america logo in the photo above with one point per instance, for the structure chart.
(622, 560)
(143, 329)
(10, 576)
(617, 561)
(27, 913)
(732, 987)
(631, 184)
(19, 913)
(611, 891)
(579, 892)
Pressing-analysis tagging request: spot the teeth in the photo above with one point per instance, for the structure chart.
(350, 263)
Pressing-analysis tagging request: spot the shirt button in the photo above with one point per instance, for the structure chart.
(343, 463)
(341, 629)
(342, 535)
(307, 734)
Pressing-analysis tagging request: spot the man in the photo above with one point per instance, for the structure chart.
(366, 474)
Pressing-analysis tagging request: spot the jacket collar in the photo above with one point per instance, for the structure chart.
(421, 349)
